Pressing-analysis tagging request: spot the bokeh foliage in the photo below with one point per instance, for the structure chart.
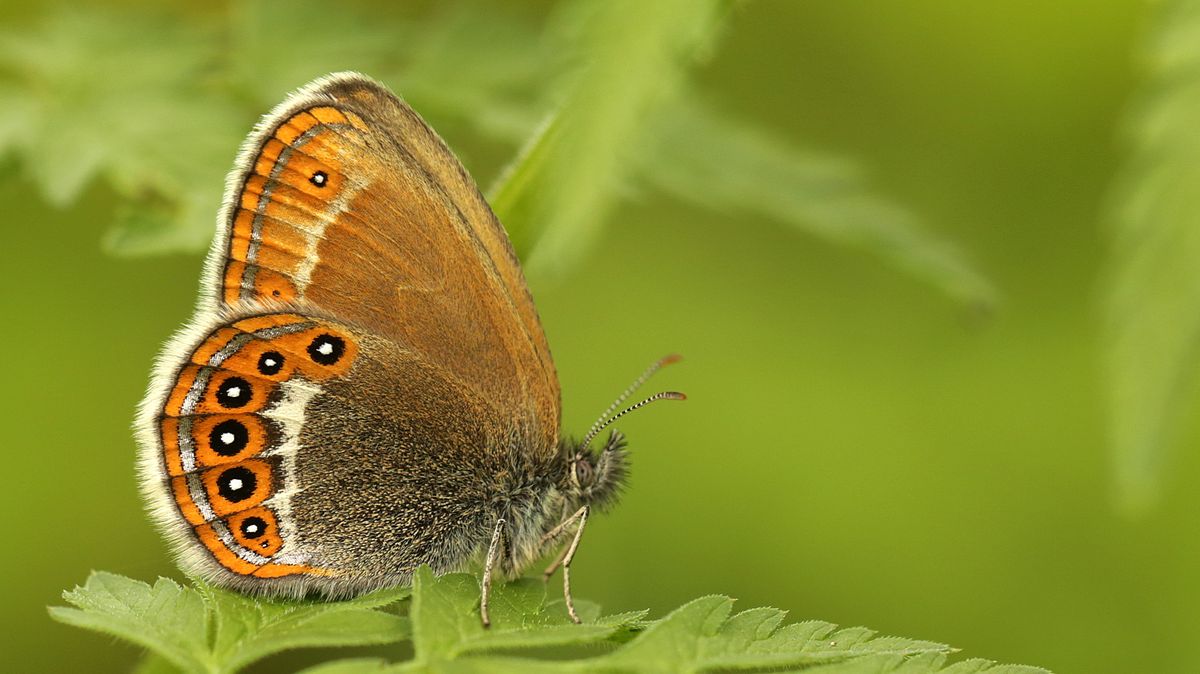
(593, 96)
(1153, 286)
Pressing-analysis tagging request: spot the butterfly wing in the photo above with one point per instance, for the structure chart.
(345, 200)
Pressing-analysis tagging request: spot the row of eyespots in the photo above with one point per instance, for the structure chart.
(232, 388)
(211, 434)
(209, 417)
(277, 356)
(242, 377)
(245, 541)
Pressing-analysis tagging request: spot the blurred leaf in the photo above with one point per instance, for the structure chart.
(726, 165)
(1152, 339)
(631, 58)
(211, 630)
(487, 67)
(275, 49)
(120, 95)
(155, 104)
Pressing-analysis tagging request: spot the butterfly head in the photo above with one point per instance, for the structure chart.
(595, 477)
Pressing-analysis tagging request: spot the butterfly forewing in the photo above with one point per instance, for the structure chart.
(346, 201)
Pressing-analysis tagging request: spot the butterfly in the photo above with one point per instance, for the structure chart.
(365, 386)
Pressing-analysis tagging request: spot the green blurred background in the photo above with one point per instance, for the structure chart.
(857, 447)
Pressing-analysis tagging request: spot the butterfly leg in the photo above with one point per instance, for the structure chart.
(569, 554)
(555, 533)
(493, 554)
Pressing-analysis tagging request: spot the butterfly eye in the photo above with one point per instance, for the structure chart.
(327, 349)
(320, 179)
(270, 363)
(583, 472)
(228, 437)
(233, 392)
(237, 484)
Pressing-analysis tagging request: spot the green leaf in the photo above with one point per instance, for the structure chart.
(446, 622)
(211, 630)
(246, 630)
(632, 57)
(153, 663)
(928, 663)
(702, 636)
(352, 666)
(1152, 331)
(167, 619)
(713, 161)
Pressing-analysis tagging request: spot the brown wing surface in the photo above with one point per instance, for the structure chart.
(346, 201)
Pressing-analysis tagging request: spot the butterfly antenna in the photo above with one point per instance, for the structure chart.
(637, 383)
(664, 395)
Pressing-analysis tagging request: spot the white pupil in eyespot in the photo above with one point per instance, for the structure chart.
(234, 392)
(325, 348)
(251, 528)
(270, 362)
(227, 438)
(235, 484)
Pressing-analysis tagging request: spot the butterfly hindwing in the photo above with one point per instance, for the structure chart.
(293, 452)
(228, 427)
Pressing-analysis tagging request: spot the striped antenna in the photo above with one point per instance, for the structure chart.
(662, 362)
(665, 395)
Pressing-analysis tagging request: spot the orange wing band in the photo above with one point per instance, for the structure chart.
(292, 190)
(217, 435)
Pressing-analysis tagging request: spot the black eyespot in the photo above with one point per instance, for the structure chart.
(320, 179)
(229, 437)
(236, 484)
(234, 392)
(270, 362)
(327, 349)
(253, 527)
